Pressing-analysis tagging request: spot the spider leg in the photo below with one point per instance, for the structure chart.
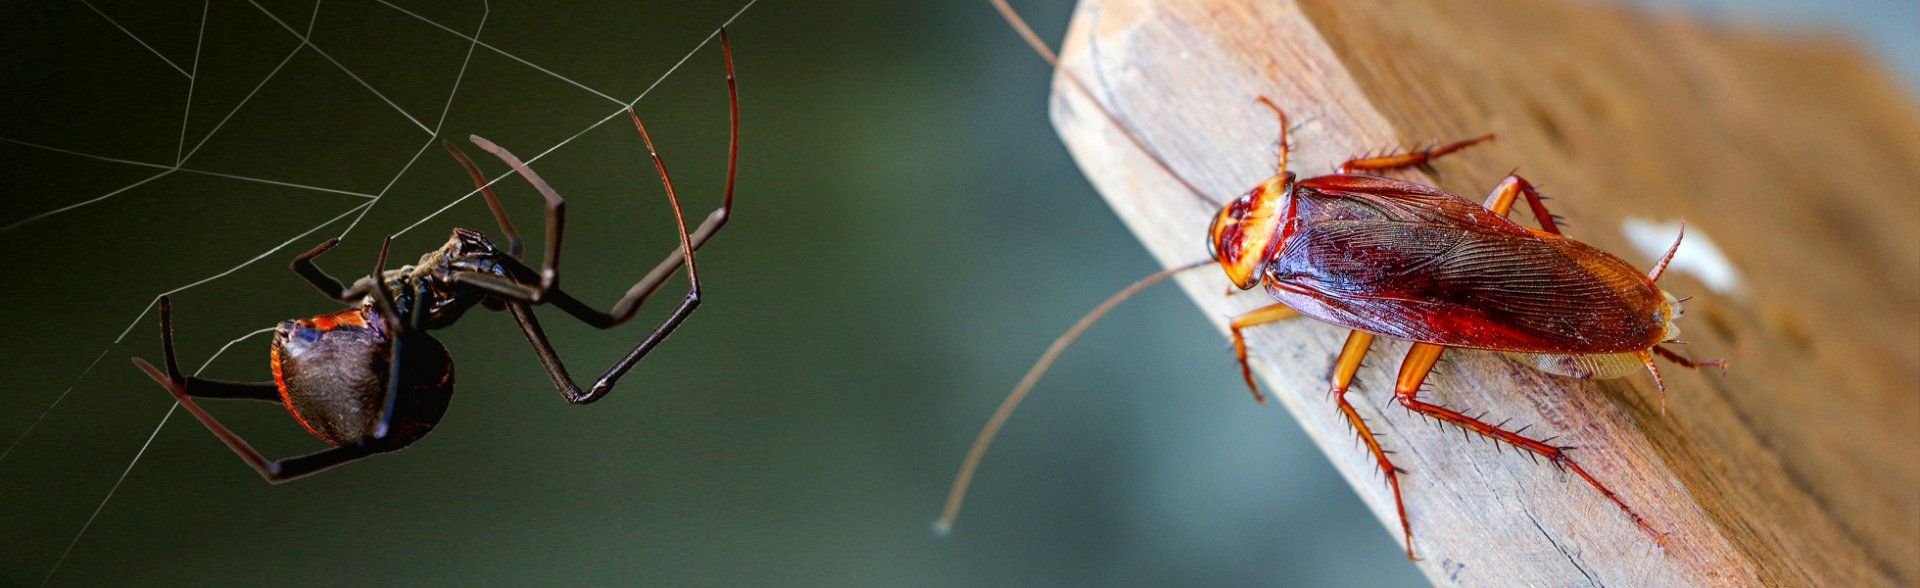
(328, 286)
(557, 371)
(294, 468)
(521, 295)
(382, 297)
(556, 216)
(514, 245)
(398, 331)
(637, 295)
(544, 348)
(396, 367)
(549, 359)
(622, 310)
(199, 388)
(274, 471)
(221, 389)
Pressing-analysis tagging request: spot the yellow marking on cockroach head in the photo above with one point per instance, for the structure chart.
(1247, 230)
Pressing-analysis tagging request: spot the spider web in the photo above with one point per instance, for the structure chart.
(212, 121)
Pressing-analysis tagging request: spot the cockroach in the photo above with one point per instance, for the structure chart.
(1385, 257)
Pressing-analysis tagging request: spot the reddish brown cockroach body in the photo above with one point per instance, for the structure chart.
(1387, 257)
(1393, 258)
(1410, 262)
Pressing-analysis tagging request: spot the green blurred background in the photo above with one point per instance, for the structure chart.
(909, 236)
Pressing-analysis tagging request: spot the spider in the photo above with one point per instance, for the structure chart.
(370, 379)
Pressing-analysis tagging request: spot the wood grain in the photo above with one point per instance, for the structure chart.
(1797, 157)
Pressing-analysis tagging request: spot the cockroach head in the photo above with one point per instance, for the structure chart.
(1668, 312)
(1246, 232)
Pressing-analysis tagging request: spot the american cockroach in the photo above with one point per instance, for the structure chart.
(1385, 257)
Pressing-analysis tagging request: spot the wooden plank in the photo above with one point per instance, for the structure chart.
(1796, 158)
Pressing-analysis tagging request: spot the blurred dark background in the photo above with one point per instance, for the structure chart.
(909, 236)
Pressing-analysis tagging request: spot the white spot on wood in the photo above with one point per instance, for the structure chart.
(1698, 255)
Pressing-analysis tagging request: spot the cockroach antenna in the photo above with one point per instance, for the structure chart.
(958, 493)
(1660, 268)
(1033, 40)
(1285, 146)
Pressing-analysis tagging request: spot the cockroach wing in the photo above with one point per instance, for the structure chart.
(1429, 274)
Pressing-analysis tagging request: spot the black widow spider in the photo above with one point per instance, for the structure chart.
(370, 379)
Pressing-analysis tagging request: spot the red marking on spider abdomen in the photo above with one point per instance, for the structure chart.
(280, 382)
(352, 317)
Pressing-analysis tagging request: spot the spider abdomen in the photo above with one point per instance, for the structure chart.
(332, 371)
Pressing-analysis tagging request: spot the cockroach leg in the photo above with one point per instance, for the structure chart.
(1406, 389)
(1421, 158)
(1344, 369)
(1501, 201)
(1646, 358)
(1264, 315)
(1688, 362)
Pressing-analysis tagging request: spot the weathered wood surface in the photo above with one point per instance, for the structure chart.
(1796, 157)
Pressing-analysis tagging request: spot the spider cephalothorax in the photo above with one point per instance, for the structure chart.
(431, 278)
(370, 379)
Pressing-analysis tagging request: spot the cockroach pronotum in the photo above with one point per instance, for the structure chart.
(1393, 258)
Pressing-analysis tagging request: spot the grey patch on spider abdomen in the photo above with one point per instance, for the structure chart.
(335, 383)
